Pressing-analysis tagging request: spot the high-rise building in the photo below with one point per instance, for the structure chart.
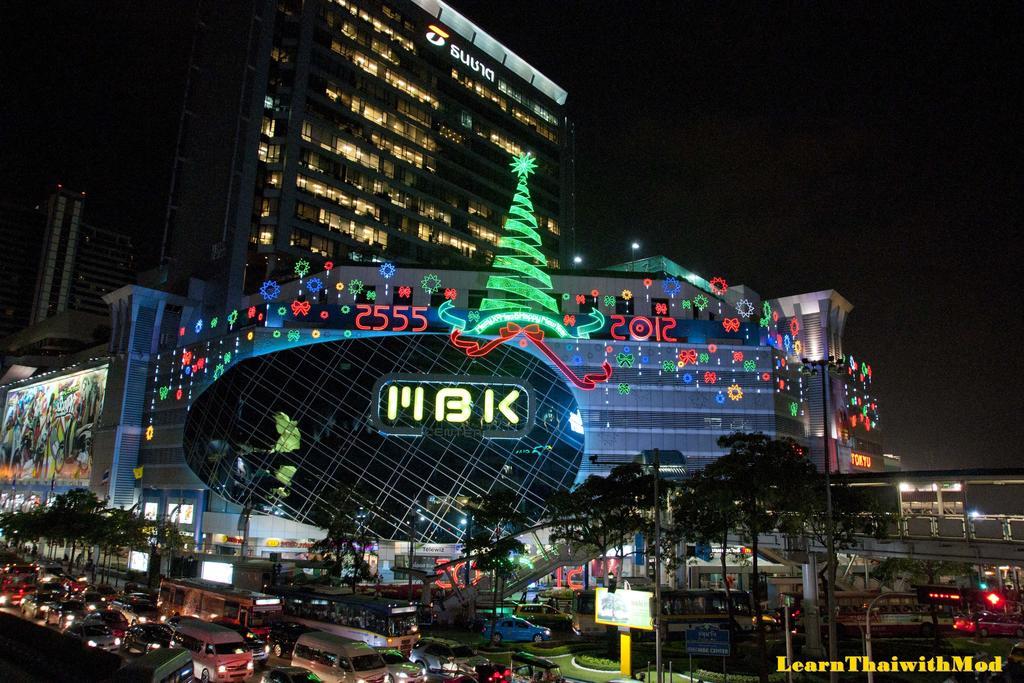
(78, 263)
(355, 130)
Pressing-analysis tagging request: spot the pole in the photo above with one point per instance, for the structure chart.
(412, 552)
(657, 568)
(789, 641)
(830, 589)
(867, 628)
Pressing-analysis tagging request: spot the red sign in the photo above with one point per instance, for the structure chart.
(860, 460)
(392, 318)
(639, 328)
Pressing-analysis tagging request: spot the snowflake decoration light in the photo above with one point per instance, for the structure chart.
(609, 300)
(523, 165)
(149, 433)
(735, 392)
(328, 265)
(314, 285)
(345, 310)
(430, 283)
(745, 308)
(315, 334)
(627, 295)
(277, 334)
(199, 326)
(356, 287)
(687, 377)
(270, 290)
(671, 286)
(302, 268)
(387, 270)
(719, 398)
(281, 310)
(794, 326)
(293, 335)
(718, 285)
(668, 366)
(623, 389)
(233, 317)
(648, 282)
(339, 286)
(700, 302)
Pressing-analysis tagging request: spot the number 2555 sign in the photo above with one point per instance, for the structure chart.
(418, 405)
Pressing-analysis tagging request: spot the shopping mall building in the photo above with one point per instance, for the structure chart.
(349, 369)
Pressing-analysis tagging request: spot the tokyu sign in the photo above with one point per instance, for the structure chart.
(435, 405)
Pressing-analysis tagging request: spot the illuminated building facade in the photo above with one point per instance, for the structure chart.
(367, 130)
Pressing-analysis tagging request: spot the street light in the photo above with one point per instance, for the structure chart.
(822, 367)
(577, 260)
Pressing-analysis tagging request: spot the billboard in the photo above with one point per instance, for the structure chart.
(47, 429)
(623, 608)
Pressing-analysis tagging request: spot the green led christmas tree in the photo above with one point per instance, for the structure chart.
(525, 285)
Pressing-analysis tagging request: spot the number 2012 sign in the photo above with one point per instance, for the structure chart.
(421, 405)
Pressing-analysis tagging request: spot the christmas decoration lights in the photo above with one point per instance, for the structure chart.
(671, 286)
(314, 285)
(735, 392)
(718, 285)
(430, 283)
(356, 286)
(744, 308)
(387, 270)
(700, 302)
(302, 268)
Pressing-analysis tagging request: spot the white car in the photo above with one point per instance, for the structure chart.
(137, 611)
(94, 635)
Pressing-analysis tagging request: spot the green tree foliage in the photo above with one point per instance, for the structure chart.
(899, 574)
(494, 521)
(348, 536)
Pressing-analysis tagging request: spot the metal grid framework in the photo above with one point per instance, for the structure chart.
(327, 389)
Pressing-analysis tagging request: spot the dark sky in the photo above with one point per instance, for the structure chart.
(791, 148)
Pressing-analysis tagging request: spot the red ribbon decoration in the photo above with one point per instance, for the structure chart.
(688, 356)
(731, 324)
(532, 333)
(300, 308)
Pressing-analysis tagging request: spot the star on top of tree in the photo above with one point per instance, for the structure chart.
(524, 164)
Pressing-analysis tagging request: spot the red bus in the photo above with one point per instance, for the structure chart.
(208, 600)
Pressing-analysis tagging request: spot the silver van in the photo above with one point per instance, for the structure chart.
(339, 660)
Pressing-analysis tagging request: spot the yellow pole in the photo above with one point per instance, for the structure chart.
(625, 650)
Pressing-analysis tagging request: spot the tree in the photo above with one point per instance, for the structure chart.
(75, 517)
(494, 521)
(526, 286)
(348, 538)
(768, 479)
(704, 511)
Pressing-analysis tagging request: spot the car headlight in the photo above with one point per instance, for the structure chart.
(117, 641)
(70, 617)
(248, 665)
(547, 632)
(154, 646)
(142, 620)
(360, 680)
(3, 599)
(163, 618)
(266, 649)
(91, 608)
(91, 643)
(44, 608)
(222, 669)
(402, 674)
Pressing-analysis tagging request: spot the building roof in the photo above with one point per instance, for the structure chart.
(491, 47)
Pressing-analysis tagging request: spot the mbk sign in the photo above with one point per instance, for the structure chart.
(439, 37)
(418, 405)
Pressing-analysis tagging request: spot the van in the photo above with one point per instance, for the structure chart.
(172, 665)
(339, 660)
(218, 653)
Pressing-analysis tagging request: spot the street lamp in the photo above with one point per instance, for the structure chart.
(822, 367)
(577, 260)
(656, 465)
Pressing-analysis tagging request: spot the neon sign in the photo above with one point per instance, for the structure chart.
(438, 37)
(392, 318)
(639, 328)
(860, 460)
(424, 405)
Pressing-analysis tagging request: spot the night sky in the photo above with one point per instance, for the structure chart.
(789, 149)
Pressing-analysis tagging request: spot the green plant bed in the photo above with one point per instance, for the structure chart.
(554, 649)
(597, 663)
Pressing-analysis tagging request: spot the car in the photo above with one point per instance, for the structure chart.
(13, 591)
(544, 615)
(437, 655)
(964, 623)
(514, 629)
(94, 635)
(1017, 653)
(400, 669)
(259, 647)
(115, 621)
(65, 613)
(137, 611)
(145, 637)
(93, 600)
(289, 674)
(283, 635)
(997, 624)
(36, 605)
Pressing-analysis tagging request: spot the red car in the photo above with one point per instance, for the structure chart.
(965, 624)
(997, 624)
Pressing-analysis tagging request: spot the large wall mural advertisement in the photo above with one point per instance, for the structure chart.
(47, 430)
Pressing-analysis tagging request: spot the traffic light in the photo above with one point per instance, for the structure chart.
(993, 599)
(939, 595)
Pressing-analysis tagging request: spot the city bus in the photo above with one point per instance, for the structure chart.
(208, 600)
(377, 621)
(680, 610)
(891, 617)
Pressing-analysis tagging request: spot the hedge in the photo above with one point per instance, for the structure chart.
(598, 663)
(554, 648)
(50, 655)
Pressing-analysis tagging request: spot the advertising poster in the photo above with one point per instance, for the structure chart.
(47, 429)
(623, 608)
